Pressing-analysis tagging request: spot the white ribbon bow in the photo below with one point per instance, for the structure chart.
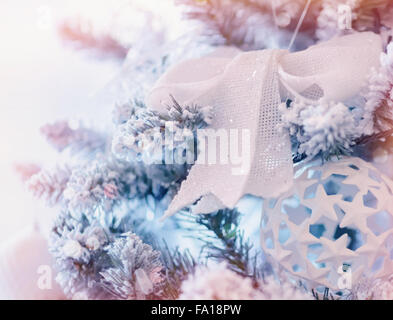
(245, 90)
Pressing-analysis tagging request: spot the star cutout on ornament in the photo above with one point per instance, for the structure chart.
(319, 275)
(336, 251)
(299, 239)
(355, 217)
(323, 207)
(363, 187)
(300, 234)
(281, 254)
(374, 248)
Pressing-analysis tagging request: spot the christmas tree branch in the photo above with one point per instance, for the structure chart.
(224, 241)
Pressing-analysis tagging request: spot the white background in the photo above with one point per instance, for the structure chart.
(41, 81)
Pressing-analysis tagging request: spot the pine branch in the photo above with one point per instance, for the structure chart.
(60, 136)
(50, 184)
(251, 24)
(324, 129)
(77, 245)
(326, 295)
(137, 270)
(82, 36)
(179, 265)
(224, 241)
(367, 14)
(143, 136)
(227, 20)
(375, 137)
(26, 170)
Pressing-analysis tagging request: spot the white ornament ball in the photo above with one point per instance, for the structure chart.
(26, 268)
(334, 227)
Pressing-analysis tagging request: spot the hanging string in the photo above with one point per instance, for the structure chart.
(299, 24)
(274, 13)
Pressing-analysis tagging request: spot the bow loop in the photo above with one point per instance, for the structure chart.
(334, 70)
(189, 80)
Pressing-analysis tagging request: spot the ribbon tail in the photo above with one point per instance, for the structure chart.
(208, 204)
